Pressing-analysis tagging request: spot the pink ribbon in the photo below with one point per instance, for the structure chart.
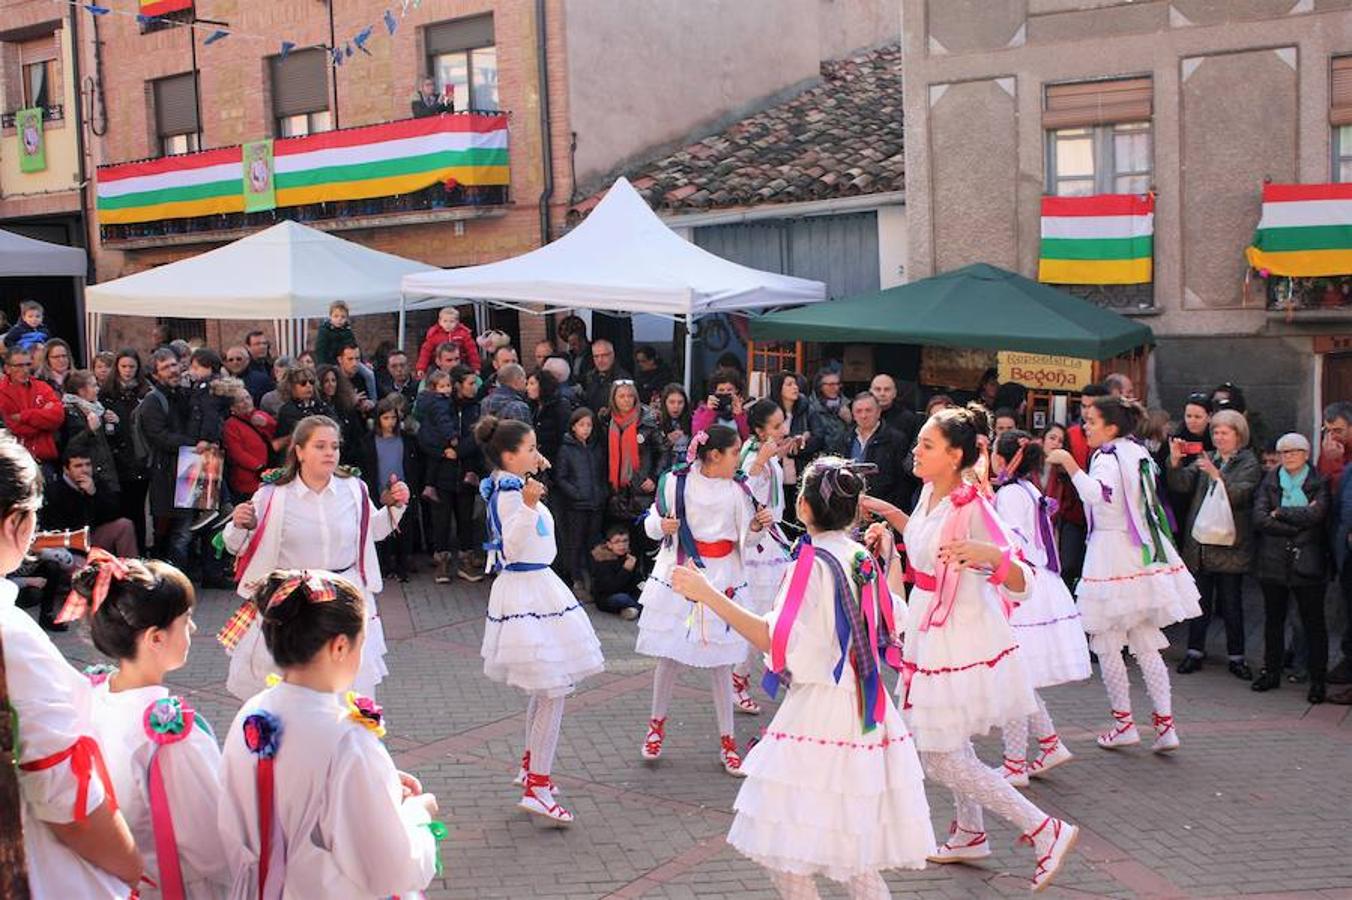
(161, 816)
(966, 500)
(793, 601)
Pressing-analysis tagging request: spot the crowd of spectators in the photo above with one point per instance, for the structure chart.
(109, 439)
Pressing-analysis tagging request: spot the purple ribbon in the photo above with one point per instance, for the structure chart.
(1132, 528)
(1044, 507)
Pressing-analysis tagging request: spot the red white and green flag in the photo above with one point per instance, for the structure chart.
(1103, 239)
(1305, 231)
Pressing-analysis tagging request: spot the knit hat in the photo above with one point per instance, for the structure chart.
(1292, 441)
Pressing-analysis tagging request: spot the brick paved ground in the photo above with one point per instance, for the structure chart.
(1258, 801)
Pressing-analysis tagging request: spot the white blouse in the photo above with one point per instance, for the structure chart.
(191, 769)
(52, 702)
(342, 829)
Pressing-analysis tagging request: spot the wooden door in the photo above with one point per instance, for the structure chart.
(1337, 378)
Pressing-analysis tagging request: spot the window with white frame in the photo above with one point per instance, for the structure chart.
(1099, 137)
(176, 120)
(300, 93)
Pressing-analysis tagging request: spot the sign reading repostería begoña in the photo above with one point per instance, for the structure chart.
(1045, 373)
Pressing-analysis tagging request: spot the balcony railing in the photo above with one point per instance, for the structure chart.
(54, 113)
(408, 166)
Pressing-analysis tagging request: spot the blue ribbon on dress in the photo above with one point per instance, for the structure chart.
(489, 489)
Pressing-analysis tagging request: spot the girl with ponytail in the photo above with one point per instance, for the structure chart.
(1047, 624)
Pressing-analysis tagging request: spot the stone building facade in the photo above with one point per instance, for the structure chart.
(1235, 93)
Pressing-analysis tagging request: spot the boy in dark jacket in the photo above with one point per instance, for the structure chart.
(616, 580)
(580, 490)
(334, 335)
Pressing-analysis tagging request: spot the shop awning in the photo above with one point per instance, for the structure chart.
(978, 306)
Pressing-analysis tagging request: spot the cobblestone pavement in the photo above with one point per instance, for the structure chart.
(1258, 801)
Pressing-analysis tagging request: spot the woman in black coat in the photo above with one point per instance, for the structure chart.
(806, 434)
(1290, 508)
(122, 393)
(581, 491)
(550, 410)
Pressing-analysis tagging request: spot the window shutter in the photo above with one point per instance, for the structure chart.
(300, 83)
(1340, 91)
(176, 104)
(1097, 103)
(459, 34)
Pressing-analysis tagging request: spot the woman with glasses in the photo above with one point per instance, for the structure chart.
(56, 364)
(1290, 509)
(828, 404)
(1195, 433)
(300, 398)
(1219, 570)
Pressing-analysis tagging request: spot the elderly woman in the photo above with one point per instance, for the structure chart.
(1219, 570)
(1290, 508)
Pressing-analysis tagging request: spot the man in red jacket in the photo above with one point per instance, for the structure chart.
(1079, 445)
(32, 411)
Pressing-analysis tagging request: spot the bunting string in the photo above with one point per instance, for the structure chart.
(214, 32)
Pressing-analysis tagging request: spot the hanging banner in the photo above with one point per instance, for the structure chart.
(32, 146)
(161, 7)
(1044, 373)
(260, 191)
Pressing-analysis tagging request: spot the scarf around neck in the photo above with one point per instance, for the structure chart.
(1293, 486)
(623, 436)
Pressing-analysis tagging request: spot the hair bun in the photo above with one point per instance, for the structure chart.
(484, 429)
(850, 482)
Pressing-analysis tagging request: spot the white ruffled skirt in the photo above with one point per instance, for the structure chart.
(537, 636)
(822, 797)
(671, 627)
(766, 565)
(1050, 634)
(967, 676)
(1121, 596)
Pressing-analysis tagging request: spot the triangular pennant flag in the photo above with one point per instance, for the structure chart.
(404, 12)
(362, 37)
(218, 35)
(337, 54)
(391, 23)
(287, 47)
(96, 10)
(347, 50)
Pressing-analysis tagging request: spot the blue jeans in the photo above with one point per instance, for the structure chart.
(616, 602)
(178, 537)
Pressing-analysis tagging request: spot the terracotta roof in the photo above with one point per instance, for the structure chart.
(841, 138)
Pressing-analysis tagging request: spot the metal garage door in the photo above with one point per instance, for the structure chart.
(841, 251)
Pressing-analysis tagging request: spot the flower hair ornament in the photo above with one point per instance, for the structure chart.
(692, 452)
(109, 568)
(365, 712)
(263, 738)
(318, 584)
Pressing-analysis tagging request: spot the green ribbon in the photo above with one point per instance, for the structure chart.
(439, 833)
(752, 447)
(1154, 516)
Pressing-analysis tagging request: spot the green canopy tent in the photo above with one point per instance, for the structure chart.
(978, 306)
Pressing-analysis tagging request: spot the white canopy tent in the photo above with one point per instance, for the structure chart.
(621, 260)
(22, 257)
(288, 273)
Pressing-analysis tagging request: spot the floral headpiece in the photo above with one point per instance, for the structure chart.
(692, 452)
(366, 712)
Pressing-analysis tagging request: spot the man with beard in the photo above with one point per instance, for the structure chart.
(169, 419)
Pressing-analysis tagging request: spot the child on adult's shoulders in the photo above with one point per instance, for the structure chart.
(335, 334)
(616, 579)
(30, 329)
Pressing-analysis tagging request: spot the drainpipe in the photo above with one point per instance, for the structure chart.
(546, 145)
(86, 340)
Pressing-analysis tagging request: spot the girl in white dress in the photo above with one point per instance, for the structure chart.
(311, 804)
(835, 787)
(768, 560)
(537, 637)
(1046, 624)
(75, 842)
(162, 755)
(1134, 581)
(700, 514)
(962, 673)
(312, 514)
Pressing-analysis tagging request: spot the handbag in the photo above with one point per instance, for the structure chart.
(1215, 522)
(627, 504)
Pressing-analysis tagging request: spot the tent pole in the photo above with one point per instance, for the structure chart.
(689, 350)
(402, 313)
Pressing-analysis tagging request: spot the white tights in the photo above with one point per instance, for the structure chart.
(976, 786)
(869, 886)
(720, 677)
(1016, 731)
(544, 718)
(1153, 670)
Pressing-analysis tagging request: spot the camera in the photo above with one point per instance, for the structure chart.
(725, 406)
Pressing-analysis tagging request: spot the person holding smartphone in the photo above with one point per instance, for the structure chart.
(724, 405)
